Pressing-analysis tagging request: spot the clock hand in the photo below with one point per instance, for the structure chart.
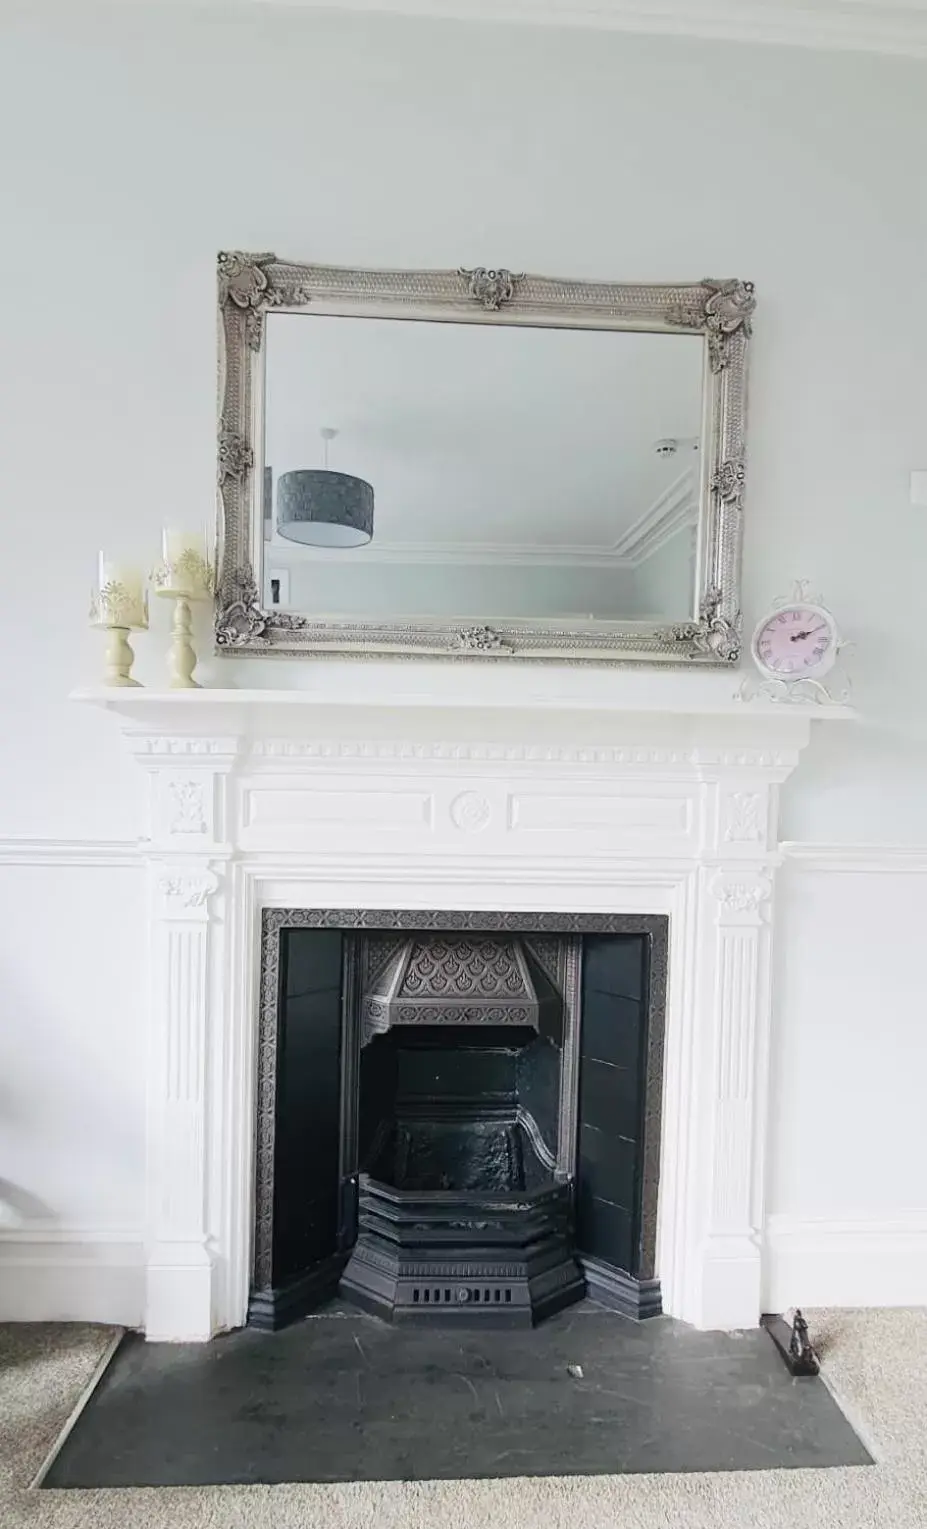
(800, 636)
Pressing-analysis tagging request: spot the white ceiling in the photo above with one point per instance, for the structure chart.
(514, 439)
(873, 26)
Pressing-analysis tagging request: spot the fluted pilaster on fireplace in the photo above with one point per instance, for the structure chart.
(734, 901)
(188, 853)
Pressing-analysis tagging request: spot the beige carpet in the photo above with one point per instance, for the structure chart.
(876, 1363)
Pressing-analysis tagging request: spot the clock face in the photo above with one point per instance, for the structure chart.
(797, 642)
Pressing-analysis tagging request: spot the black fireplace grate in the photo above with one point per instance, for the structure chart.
(422, 1258)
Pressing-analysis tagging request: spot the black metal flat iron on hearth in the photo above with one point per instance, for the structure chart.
(793, 1342)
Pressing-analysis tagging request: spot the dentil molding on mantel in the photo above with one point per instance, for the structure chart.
(467, 715)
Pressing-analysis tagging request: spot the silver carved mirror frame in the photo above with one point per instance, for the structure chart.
(252, 284)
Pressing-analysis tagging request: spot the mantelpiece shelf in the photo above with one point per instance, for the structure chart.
(383, 687)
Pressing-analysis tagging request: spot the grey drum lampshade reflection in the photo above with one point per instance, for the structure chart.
(324, 509)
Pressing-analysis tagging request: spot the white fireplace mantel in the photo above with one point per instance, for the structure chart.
(451, 787)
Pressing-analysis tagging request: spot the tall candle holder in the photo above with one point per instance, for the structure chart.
(183, 575)
(119, 605)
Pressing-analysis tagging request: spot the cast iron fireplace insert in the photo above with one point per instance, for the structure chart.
(458, 1114)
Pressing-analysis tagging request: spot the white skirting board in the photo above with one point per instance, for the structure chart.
(845, 1263)
(87, 1276)
(77, 1274)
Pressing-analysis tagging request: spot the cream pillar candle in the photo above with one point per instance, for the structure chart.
(176, 544)
(118, 604)
(119, 599)
(122, 585)
(183, 569)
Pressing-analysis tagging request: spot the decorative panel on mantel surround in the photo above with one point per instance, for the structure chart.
(459, 787)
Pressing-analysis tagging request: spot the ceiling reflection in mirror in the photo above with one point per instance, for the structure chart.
(486, 472)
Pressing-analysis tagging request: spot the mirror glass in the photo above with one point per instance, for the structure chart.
(479, 471)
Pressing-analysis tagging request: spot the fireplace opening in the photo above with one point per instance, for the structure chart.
(450, 1110)
(458, 1125)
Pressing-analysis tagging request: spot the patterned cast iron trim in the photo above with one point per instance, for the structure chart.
(653, 1094)
(570, 964)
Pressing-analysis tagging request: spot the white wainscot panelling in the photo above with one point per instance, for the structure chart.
(72, 1184)
(841, 1230)
(847, 1192)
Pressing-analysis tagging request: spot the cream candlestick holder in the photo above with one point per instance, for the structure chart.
(183, 575)
(119, 606)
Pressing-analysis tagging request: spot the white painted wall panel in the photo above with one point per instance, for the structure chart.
(72, 987)
(847, 1107)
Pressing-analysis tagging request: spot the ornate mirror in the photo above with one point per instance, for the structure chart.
(479, 462)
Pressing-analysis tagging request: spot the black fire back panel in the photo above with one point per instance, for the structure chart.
(613, 1040)
(306, 1155)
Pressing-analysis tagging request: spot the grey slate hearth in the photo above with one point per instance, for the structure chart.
(345, 1397)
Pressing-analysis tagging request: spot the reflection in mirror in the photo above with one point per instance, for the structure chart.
(469, 471)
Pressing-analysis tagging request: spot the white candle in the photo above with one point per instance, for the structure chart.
(175, 543)
(124, 574)
(122, 586)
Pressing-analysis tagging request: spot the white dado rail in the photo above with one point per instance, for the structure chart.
(471, 787)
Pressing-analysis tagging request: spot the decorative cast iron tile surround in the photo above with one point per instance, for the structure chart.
(401, 920)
